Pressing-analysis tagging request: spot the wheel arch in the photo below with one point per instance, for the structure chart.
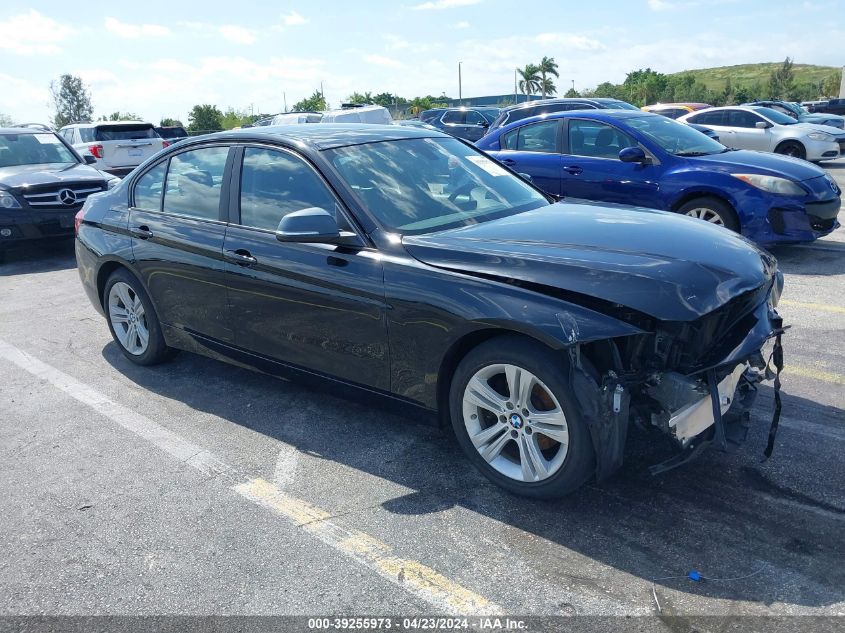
(107, 269)
(788, 141)
(720, 195)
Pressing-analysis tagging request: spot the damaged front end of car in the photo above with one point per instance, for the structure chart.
(693, 381)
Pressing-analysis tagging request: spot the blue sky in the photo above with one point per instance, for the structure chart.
(160, 58)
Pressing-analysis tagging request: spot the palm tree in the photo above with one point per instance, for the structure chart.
(530, 82)
(547, 87)
(547, 66)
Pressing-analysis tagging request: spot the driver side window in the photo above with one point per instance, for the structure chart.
(275, 183)
(597, 140)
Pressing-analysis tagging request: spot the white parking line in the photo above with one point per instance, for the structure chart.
(412, 576)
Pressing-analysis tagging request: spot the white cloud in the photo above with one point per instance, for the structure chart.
(443, 4)
(293, 19)
(32, 34)
(570, 41)
(659, 5)
(381, 60)
(396, 43)
(134, 31)
(463, 24)
(238, 34)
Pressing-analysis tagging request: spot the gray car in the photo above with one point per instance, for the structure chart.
(801, 114)
(766, 130)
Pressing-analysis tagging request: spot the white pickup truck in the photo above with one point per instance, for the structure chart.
(117, 146)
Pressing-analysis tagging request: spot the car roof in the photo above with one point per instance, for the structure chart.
(325, 135)
(541, 102)
(24, 130)
(99, 123)
(607, 114)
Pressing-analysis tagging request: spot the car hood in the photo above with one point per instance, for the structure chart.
(806, 128)
(671, 267)
(745, 161)
(28, 175)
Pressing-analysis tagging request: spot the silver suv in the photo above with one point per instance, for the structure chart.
(117, 146)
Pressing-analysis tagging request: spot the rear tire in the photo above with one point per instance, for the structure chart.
(792, 148)
(516, 418)
(132, 320)
(711, 210)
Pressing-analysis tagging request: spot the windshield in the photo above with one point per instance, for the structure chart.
(674, 137)
(33, 149)
(489, 113)
(621, 105)
(422, 185)
(776, 117)
(795, 109)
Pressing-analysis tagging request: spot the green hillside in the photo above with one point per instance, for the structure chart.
(747, 75)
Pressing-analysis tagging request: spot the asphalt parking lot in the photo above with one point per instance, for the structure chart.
(200, 488)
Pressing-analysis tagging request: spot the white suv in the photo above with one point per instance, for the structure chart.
(117, 146)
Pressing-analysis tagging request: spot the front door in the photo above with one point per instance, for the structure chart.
(746, 134)
(314, 306)
(592, 169)
(177, 240)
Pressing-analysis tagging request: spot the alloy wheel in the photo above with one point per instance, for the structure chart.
(128, 318)
(708, 215)
(515, 422)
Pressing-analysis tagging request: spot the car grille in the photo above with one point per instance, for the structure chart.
(57, 196)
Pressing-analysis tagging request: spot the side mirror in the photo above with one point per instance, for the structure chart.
(308, 225)
(762, 125)
(633, 155)
(90, 160)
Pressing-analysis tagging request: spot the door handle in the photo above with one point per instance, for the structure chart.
(509, 161)
(573, 169)
(241, 257)
(141, 232)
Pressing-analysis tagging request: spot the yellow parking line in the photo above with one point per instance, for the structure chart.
(823, 307)
(817, 374)
(373, 553)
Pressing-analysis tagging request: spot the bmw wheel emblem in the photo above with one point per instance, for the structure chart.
(516, 421)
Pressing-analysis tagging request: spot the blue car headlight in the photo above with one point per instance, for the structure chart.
(773, 184)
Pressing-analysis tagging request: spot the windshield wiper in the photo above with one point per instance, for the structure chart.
(693, 153)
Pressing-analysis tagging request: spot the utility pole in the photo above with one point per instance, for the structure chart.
(515, 97)
(285, 99)
(573, 85)
(460, 95)
(842, 85)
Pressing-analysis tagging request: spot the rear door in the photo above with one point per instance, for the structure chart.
(177, 239)
(534, 149)
(592, 169)
(315, 306)
(719, 122)
(126, 145)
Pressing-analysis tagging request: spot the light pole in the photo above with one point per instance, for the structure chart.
(515, 96)
(460, 95)
(573, 85)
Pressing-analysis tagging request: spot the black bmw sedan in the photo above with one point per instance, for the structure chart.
(407, 264)
(43, 183)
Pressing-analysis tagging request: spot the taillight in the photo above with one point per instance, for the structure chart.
(165, 144)
(77, 220)
(96, 150)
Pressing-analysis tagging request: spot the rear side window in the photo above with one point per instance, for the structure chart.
(124, 132)
(597, 140)
(86, 134)
(537, 137)
(149, 187)
(194, 181)
(710, 118)
(742, 118)
(454, 116)
(275, 183)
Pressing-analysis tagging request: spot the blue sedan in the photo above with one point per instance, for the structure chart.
(648, 160)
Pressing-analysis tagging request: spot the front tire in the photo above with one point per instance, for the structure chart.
(516, 418)
(792, 148)
(132, 320)
(711, 210)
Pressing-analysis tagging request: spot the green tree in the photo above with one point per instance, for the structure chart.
(547, 68)
(572, 93)
(782, 80)
(71, 100)
(530, 79)
(168, 122)
(830, 88)
(121, 116)
(205, 118)
(5, 120)
(359, 98)
(385, 99)
(314, 103)
(233, 118)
